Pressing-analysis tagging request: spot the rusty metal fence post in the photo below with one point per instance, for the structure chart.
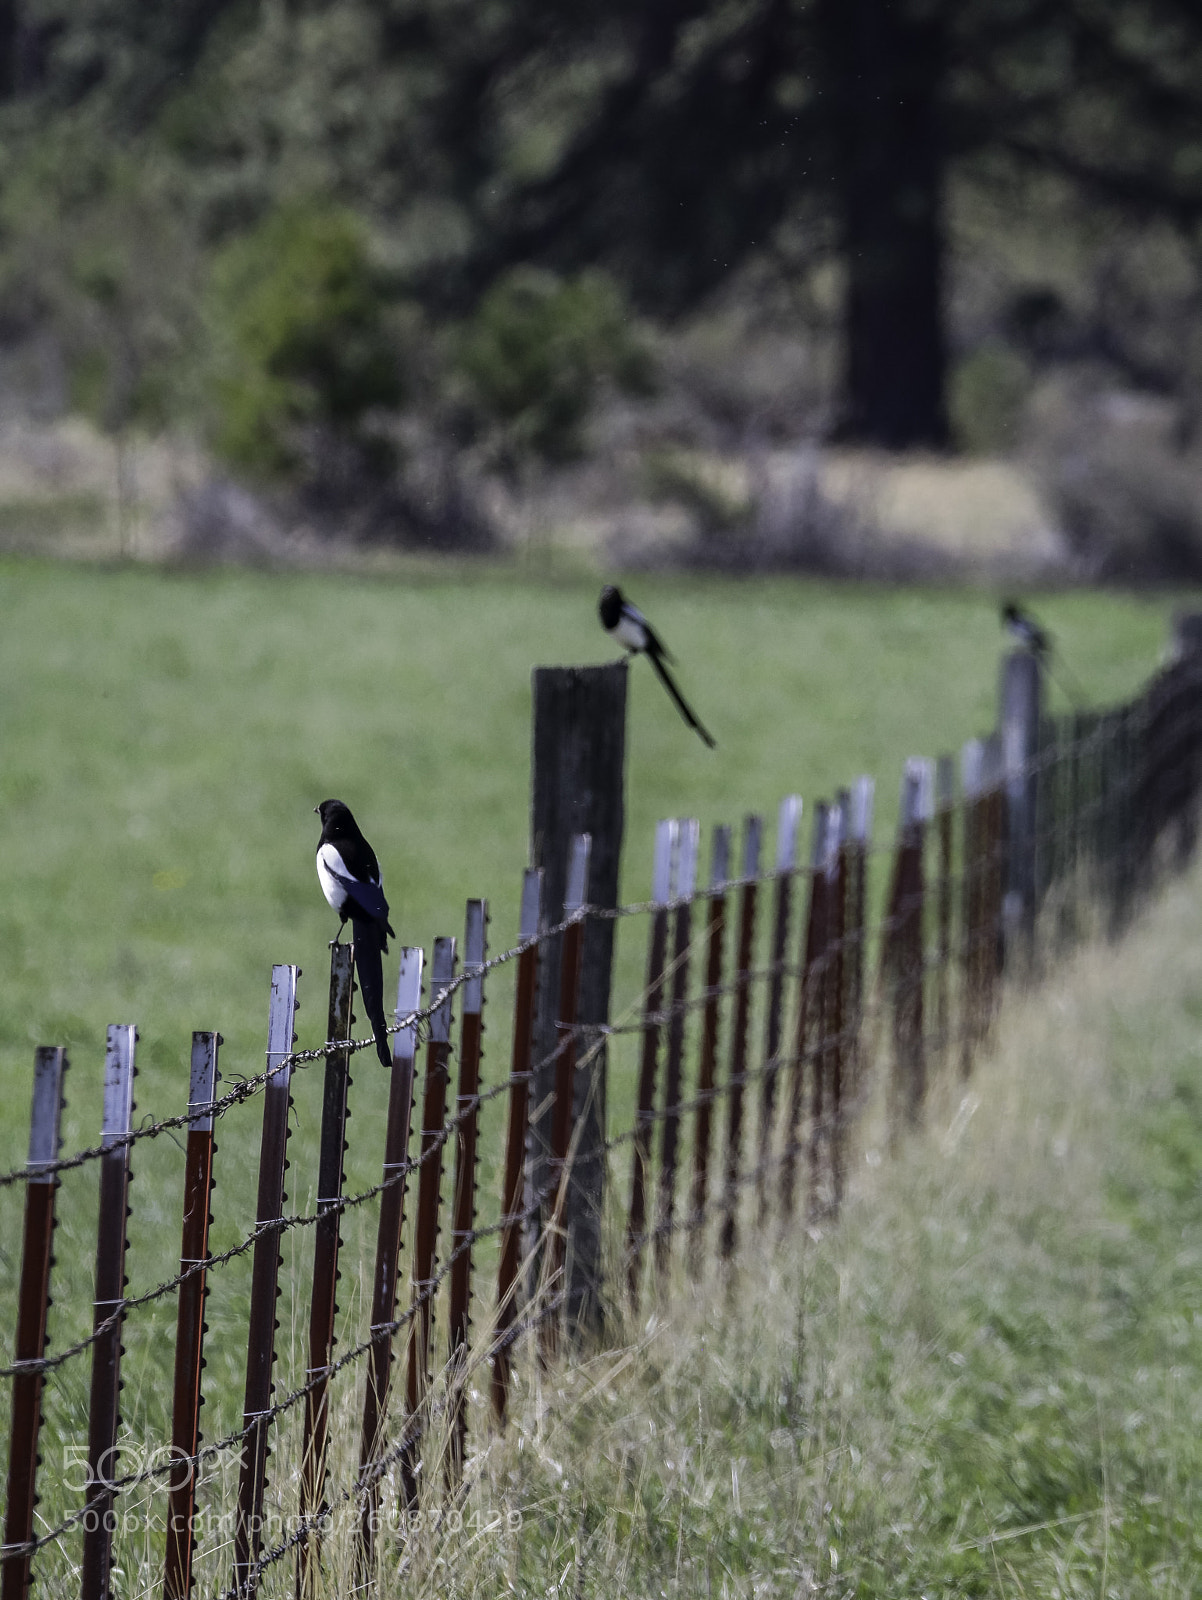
(945, 804)
(859, 839)
(388, 1245)
(788, 818)
(809, 1018)
(653, 999)
(265, 1278)
(908, 955)
(557, 1203)
(707, 1065)
(190, 1319)
(327, 1243)
(467, 1117)
(753, 828)
(834, 1009)
(425, 1241)
(524, 1004)
(49, 1066)
(104, 1412)
(689, 842)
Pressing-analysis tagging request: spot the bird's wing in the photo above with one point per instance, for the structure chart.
(368, 897)
(654, 646)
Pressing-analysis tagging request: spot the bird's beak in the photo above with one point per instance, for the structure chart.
(317, 811)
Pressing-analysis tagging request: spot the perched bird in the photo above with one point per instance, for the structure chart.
(630, 627)
(349, 875)
(1022, 626)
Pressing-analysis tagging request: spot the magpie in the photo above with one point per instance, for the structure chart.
(349, 875)
(627, 624)
(1021, 625)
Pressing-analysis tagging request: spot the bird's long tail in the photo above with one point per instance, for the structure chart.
(682, 705)
(370, 967)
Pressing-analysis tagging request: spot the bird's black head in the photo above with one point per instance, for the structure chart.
(610, 606)
(1010, 611)
(334, 815)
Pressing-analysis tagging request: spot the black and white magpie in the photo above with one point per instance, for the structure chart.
(630, 628)
(1021, 625)
(350, 880)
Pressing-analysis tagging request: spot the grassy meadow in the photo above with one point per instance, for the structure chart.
(164, 737)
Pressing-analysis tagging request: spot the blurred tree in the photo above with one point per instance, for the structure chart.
(669, 142)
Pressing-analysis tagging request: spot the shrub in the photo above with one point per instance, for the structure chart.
(987, 392)
(536, 352)
(301, 323)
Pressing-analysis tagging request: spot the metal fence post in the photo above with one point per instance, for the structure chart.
(689, 842)
(49, 1066)
(525, 999)
(558, 1211)
(467, 1116)
(425, 1242)
(809, 1027)
(265, 1279)
(388, 1245)
(859, 839)
(945, 803)
(190, 1321)
(1019, 724)
(104, 1413)
(833, 1006)
(327, 1242)
(788, 819)
(753, 829)
(908, 952)
(707, 1066)
(653, 999)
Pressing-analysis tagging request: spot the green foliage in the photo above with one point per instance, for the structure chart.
(987, 392)
(301, 323)
(537, 351)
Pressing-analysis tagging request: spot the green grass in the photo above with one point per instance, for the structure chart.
(164, 738)
(986, 1381)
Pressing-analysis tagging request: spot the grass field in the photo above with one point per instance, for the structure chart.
(986, 1381)
(165, 736)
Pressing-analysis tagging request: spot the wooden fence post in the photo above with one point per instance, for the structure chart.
(265, 1279)
(525, 997)
(425, 1240)
(104, 1413)
(788, 819)
(388, 1245)
(190, 1319)
(753, 828)
(579, 755)
(707, 1066)
(688, 845)
(653, 1000)
(49, 1065)
(327, 1242)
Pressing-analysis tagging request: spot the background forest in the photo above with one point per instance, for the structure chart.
(683, 277)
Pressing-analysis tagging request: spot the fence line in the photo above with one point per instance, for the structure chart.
(1002, 878)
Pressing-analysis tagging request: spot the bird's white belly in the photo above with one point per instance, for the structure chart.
(329, 862)
(631, 633)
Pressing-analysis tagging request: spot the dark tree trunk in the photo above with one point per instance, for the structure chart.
(9, 34)
(886, 62)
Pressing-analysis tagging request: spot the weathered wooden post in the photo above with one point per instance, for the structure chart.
(1019, 722)
(577, 781)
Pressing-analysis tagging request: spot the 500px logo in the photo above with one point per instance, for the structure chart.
(165, 1462)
